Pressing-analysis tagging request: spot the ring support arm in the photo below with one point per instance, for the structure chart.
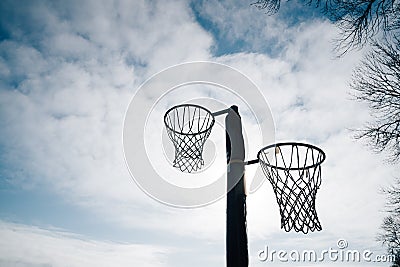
(220, 112)
(254, 161)
(249, 162)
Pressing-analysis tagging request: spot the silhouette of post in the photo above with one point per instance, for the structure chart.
(236, 229)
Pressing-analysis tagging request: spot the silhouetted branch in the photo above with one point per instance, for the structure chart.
(377, 82)
(390, 236)
(270, 7)
(358, 20)
(393, 198)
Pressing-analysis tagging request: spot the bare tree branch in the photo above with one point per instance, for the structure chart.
(358, 20)
(390, 235)
(377, 82)
(271, 7)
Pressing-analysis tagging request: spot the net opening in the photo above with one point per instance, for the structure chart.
(188, 127)
(294, 171)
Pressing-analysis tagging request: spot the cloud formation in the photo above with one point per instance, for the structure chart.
(23, 245)
(69, 69)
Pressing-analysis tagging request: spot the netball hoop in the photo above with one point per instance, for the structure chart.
(294, 171)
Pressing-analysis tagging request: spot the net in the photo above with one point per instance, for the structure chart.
(188, 127)
(294, 170)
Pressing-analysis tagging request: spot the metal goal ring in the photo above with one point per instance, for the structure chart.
(292, 144)
(189, 105)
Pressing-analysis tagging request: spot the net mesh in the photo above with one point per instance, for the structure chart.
(188, 127)
(294, 170)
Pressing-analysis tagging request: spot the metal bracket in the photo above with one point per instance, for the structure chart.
(254, 161)
(220, 112)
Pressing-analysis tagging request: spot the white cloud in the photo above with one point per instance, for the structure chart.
(72, 90)
(63, 102)
(22, 245)
(63, 120)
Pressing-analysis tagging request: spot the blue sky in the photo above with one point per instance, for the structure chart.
(206, 14)
(68, 70)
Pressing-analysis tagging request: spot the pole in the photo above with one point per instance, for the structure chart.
(236, 229)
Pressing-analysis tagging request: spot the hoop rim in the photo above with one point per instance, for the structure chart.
(292, 144)
(189, 105)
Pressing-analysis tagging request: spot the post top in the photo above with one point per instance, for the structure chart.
(235, 108)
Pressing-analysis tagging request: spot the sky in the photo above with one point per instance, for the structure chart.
(68, 71)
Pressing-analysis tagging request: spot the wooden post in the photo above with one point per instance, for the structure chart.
(236, 228)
